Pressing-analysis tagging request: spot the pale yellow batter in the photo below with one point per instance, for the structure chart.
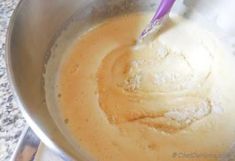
(160, 101)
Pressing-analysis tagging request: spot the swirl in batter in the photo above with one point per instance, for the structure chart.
(143, 103)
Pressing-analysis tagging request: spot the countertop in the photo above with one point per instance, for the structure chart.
(11, 120)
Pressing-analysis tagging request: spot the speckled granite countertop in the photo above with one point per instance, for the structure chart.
(11, 120)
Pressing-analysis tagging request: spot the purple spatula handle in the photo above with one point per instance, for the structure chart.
(163, 10)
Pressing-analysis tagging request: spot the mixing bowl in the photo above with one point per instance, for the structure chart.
(36, 24)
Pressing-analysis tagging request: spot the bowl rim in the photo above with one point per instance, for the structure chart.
(15, 91)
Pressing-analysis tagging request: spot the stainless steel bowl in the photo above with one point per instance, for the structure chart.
(36, 24)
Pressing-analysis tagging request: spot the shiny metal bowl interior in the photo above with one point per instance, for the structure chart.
(34, 27)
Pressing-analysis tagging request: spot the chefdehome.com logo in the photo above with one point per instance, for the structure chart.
(195, 155)
(227, 156)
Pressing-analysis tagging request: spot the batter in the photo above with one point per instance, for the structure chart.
(165, 100)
